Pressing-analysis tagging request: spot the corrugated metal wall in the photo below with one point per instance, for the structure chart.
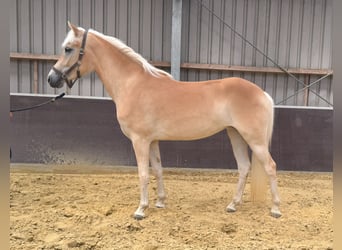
(40, 26)
(295, 33)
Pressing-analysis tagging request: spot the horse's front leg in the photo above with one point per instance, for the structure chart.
(158, 172)
(141, 149)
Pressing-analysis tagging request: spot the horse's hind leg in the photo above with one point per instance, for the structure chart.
(158, 172)
(240, 150)
(265, 159)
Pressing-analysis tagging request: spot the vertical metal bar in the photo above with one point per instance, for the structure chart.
(176, 38)
(35, 76)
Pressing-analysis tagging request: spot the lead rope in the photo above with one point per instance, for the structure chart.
(39, 105)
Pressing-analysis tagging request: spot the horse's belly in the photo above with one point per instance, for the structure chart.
(189, 130)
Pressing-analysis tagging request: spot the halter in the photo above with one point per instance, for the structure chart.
(64, 75)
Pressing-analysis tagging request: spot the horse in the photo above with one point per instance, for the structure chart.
(151, 106)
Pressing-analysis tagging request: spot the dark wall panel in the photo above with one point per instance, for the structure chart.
(85, 131)
(302, 139)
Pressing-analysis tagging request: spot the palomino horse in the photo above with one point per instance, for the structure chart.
(151, 106)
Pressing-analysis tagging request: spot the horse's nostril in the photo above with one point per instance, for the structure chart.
(49, 79)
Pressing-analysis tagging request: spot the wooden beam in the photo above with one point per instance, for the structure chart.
(252, 69)
(160, 64)
(198, 66)
(29, 56)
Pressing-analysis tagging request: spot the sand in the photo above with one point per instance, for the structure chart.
(69, 207)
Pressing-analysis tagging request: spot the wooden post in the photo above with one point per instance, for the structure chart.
(35, 76)
(306, 91)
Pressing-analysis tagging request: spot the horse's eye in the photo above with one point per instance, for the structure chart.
(67, 50)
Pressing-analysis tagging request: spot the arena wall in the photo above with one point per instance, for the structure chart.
(85, 131)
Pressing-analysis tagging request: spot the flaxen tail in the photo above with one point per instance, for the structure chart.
(259, 178)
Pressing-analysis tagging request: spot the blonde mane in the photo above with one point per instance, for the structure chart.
(132, 54)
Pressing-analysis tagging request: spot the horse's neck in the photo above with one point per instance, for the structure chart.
(115, 69)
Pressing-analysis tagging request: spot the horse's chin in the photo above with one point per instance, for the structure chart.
(57, 85)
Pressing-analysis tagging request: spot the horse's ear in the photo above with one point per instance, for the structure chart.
(73, 28)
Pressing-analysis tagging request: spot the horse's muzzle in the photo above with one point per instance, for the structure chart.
(55, 80)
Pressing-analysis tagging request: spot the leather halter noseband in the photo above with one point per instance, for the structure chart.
(64, 75)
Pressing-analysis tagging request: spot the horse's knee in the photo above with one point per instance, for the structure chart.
(265, 158)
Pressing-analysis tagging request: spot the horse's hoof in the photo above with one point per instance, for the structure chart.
(138, 216)
(160, 205)
(275, 213)
(231, 209)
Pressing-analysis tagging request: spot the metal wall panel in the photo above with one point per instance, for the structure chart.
(40, 26)
(294, 33)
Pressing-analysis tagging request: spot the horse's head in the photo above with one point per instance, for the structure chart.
(72, 63)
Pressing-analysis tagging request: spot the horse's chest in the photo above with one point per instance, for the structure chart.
(134, 122)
